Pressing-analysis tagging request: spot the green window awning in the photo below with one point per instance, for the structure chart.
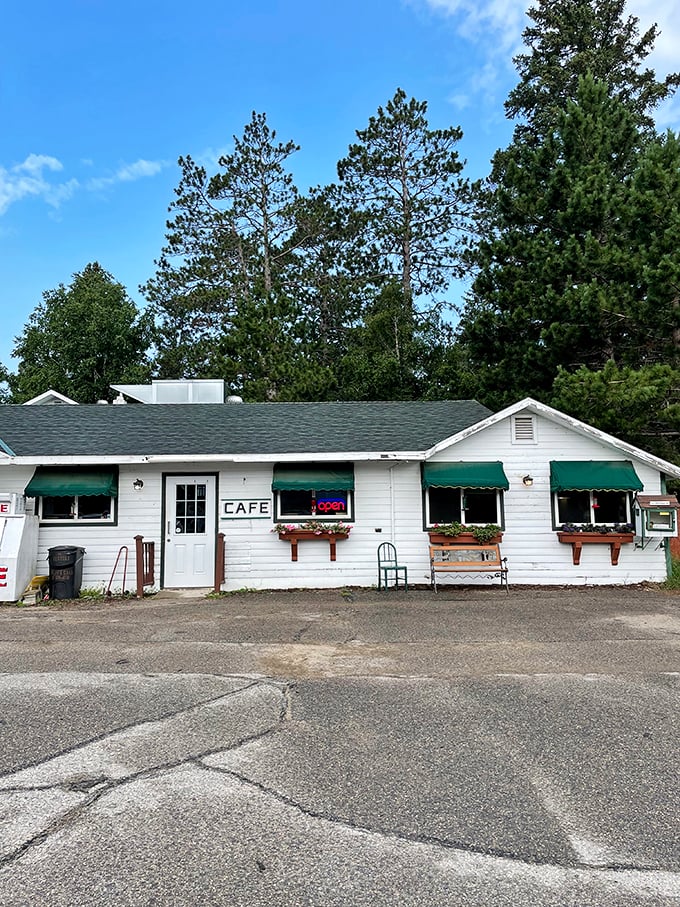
(593, 475)
(55, 482)
(464, 475)
(332, 477)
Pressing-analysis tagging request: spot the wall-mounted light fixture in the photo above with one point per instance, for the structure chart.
(138, 484)
(528, 481)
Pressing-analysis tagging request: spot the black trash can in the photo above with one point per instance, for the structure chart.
(66, 571)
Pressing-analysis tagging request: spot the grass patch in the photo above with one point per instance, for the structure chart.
(673, 581)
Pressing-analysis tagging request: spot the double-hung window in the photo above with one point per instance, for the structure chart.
(592, 492)
(305, 491)
(468, 493)
(82, 494)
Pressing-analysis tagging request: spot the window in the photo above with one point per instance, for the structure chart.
(469, 506)
(306, 491)
(84, 494)
(75, 507)
(468, 493)
(605, 507)
(593, 491)
(190, 513)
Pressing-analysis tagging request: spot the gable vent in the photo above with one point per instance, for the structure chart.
(523, 430)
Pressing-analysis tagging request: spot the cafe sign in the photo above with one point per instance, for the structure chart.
(245, 509)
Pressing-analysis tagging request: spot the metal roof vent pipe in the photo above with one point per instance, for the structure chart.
(120, 401)
(233, 398)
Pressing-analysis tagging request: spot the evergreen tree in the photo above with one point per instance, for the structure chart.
(568, 268)
(404, 180)
(567, 39)
(229, 265)
(653, 225)
(641, 405)
(394, 354)
(557, 284)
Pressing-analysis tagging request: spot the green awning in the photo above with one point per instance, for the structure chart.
(593, 475)
(55, 482)
(332, 477)
(464, 475)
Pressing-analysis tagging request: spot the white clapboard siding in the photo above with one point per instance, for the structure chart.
(139, 513)
(388, 507)
(529, 542)
(256, 558)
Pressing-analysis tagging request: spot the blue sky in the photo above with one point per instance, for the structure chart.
(99, 98)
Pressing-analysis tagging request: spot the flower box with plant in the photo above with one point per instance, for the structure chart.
(458, 534)
(579, 534)
(330, 531)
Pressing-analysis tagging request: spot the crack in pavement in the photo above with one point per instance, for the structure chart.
(69, 781)
(163, 716)
(657, 881)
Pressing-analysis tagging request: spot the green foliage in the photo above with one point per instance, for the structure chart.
(404, 180)
(227, 259)
(578, 262)
(81, 339)
(565, 40)
(641, 406)
(482, 534)
(557, 283)
(673, 580)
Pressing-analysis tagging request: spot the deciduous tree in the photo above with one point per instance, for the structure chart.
(81, 339)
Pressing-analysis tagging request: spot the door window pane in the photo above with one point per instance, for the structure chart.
(190, 502)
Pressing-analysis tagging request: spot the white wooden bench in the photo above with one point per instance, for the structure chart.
(470, 559)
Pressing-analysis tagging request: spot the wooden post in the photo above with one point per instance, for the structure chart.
(144, 561)
(139, 561)
(219, 562)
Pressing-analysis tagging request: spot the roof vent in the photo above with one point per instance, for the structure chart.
(103, 402)
(523, 430)
(233, 398)
(120, 401)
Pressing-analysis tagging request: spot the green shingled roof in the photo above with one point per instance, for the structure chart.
(186, 430)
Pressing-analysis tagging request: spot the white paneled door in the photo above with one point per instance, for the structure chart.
(189, 531)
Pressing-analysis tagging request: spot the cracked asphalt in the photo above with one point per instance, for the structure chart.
(343, 747)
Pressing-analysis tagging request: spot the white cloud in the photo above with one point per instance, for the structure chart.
(503, 18)
(34, 178)
(30, 179)
(210, 157)
(127, 173)
(496, 26)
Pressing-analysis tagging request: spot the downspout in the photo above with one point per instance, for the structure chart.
(667, 542)
(393, 506)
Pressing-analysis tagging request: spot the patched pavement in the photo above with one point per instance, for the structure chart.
(343, 748)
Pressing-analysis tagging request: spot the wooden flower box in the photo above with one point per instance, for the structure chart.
(464, 538)
(578, 539)
(308, 535)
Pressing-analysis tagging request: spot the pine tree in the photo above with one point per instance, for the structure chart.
(404, 180)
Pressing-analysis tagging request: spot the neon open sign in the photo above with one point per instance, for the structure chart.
(331, 505)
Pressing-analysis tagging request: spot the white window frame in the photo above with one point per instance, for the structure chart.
(322, 516)
(462, 491)
(75, 509)
(592, 494)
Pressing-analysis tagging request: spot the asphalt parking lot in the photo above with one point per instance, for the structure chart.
(344, 747)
